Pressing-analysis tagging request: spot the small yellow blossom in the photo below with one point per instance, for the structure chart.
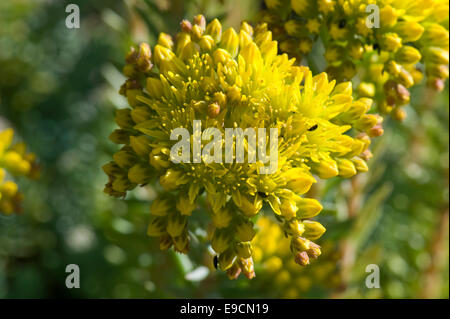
(232, 79)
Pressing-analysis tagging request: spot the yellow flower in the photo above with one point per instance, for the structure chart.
(15, 161)
(212, 78)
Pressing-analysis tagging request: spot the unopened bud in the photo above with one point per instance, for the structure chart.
(302, 258)
(157, 226)
(313, 229)
(176, 224)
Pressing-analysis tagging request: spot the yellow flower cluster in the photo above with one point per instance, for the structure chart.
(376, 43)
(15, 161)
(272, 254)
(229, 79)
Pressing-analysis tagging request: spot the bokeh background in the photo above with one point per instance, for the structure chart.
(58, 90)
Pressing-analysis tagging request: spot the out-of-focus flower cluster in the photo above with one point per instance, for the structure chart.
(15, 161)
(272, 254)
(229, 79)
(385, 60)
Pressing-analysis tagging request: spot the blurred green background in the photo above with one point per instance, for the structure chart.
(58, 90)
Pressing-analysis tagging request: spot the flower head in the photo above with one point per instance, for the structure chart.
(214, 78)
(16, 162)
(378, 43)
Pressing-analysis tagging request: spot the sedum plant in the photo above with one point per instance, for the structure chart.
(384, 46)
(234, 79)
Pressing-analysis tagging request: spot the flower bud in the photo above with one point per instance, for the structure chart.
(399, 114)
(172, 179)
(388, 16)
(300, 182)
(160, 207)
(140, 173)
(436, 35)
(346, 168)
(165, 242)
(393, 68)
(181, 243)
(436, 83)
(247, 267)
(314, 250)
(293, 28)
(273, 264)
(165, 40)
(214, 29)
(140, 144)
(8, 189)
(206, 43)
(221, 56)
(230, 42)
(176, 224)
(356, 50)
(391, 41)
(234, 94)
(244, 249)
(247, 205)
(437, 55)
(120, 136)
(300, 6)
(140, 114)
(293, 227)
(220, 241)
(302, 258)
(186, 26)
(234, 271)
(405, 78)
(110, 169)
(366, 122)
(288, 208)
(185, 206)
(407, 55)
(326, 168)
(409, 31)
(244, 231)
(222, 217)
(200, 21)
(157, 226)
(299, 244)
(360, 164)
(122, 184)
(123, 118)
(154, 87)
(308, 208)
(226, 259)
